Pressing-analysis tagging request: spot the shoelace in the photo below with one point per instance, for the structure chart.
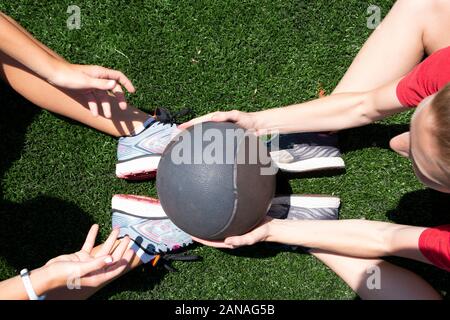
(163, 115)
(166, 260)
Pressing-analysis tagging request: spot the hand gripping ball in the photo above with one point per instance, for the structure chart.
(215, 180)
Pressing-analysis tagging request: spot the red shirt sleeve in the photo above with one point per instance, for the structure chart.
(425, 79)
(434, 243)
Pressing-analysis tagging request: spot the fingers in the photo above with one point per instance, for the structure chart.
(239, 241)
(113, 270)
(215, 244)
(109, 243)
(94, 265)
(121, 265)
(226, 116)
(117, 76)
(121, 258)
(121, 249)
(129, 255)
(122, 79)
(258, 234)
(127, 260)
(101, 80)
(205, 118)
(93, 78)
(101, 84)
(90, 239)
(106, 268)
(217, 116)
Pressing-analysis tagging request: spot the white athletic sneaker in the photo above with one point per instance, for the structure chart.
(305, 207)
(138, 156)
(303, 152)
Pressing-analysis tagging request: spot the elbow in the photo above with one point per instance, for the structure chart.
(387, 239)
(364, 111)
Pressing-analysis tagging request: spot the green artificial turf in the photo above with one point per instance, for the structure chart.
(57, 177)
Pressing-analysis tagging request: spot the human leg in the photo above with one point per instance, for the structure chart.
(394, 282)
(411, 29)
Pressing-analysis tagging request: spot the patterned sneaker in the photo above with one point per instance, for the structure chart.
(144, 221)
(305, 207)
(138, 156)
(303, 152)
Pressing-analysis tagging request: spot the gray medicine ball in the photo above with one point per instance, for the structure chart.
(214, 180)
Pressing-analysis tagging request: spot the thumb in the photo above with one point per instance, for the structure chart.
(102, 84)
(244, 240)
(221, 117)
(95, 265)
(206, 117)
(236, 241)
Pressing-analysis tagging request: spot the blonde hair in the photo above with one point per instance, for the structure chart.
(440, 110)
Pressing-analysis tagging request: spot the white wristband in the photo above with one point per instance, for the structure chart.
(25, 275)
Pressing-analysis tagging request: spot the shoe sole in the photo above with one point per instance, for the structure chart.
(309, 201)
(313, 164)
(138, 206)
(138, 169)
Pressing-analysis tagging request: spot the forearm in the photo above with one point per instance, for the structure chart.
(21, 48)
(30, 36)
(357, 238)
(335, 112)
(332, 113)
(14, 289)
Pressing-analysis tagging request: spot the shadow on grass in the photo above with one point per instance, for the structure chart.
(34, 231)
(426, 208)
(16, 114)
(420, 208)
(375, 135)
(282, 184)
(263, 250)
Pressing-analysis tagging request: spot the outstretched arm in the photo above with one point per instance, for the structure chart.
(17, 44)
(26, 33)
(355, 238)
(335, 112)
